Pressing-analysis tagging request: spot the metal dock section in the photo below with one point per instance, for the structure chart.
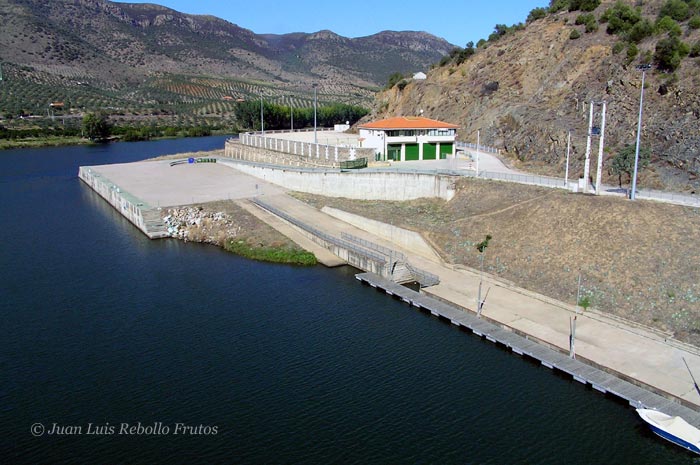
(596, 378)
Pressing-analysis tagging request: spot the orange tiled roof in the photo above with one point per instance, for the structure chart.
(409, 122)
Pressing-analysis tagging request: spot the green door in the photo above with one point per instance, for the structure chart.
(445, 150)
(411, 152)
(393, 152)
(429, 151)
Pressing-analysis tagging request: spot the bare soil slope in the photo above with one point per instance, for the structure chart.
(637, 260)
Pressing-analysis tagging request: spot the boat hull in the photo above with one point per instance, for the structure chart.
(676, 440)
(672, 429)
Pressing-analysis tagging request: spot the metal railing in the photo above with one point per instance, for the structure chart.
(671, 197)
(522, 178)
(425, 278)
(482, 148)
(380, 259)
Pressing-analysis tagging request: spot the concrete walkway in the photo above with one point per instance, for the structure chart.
(634, 353)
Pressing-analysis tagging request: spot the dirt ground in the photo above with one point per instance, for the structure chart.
(637, 260)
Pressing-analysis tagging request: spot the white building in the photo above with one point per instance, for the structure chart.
(406, 138)
(419, 76)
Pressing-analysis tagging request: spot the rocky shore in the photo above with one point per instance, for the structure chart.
(227, 225)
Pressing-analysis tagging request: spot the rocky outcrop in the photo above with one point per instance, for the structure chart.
(529, 88)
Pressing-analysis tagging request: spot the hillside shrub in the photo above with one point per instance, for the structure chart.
(587, 19)
(623, 162)
(675, 9)
(668, 24)
(640, 31)
(394, 79)
(694, 22)
(558, 5)
(583, 5)
(535, 14)
(618, 47)
(620, 18)
(574, 34)
(670, 52)
(695, 50)
(632, 52)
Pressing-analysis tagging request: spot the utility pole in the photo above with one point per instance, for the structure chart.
(315, 136)
(262, 121)
(568, 150)
(601, 143)
(587, 163)
(478, 134)
(643, 69)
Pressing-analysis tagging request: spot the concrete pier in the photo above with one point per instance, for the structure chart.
(597, 379)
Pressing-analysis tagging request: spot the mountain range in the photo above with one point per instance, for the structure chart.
(144, 52)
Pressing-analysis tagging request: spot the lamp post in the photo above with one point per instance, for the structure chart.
(291, 112)
(262, 121)
(478, 134)
(643, 68)
(315, 136)
(568, 150)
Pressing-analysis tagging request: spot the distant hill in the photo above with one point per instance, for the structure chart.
(139, 55)
(529, 84)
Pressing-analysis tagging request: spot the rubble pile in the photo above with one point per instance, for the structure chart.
(196, 224)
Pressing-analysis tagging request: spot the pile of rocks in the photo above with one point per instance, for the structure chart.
(197, 224)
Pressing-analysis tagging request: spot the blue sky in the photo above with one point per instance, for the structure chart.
(458, 21)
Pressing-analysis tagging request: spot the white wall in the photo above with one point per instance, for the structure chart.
(353, 185)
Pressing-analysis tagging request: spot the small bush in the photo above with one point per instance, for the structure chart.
(694, 22)
(583, 5)
(558, 5)
(695, 50)
(574, 34)
(535, 14)
(620, 18)
(640, 31)
(668, 24)
(632, 52)
(670, 52)
(587, 19)
(618, 47)
(675, 9)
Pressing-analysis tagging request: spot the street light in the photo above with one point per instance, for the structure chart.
(478, 134)
(568, 150)
(262, 122)
(315, 137)
(643, 68)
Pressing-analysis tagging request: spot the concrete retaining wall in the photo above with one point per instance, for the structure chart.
(408, 240)
(130, 207)
(365, 185)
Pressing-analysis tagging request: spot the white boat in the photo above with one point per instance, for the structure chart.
(674, 429)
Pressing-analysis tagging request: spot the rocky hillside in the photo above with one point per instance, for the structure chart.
(121, 46)
(528, 85)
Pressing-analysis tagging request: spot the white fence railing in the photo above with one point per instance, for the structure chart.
(482, 148)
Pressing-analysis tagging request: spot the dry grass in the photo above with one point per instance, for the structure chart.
(638, 260)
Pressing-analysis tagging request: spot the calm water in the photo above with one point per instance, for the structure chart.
(101, 326)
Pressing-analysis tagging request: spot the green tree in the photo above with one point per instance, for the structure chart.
(676, 9)
(583, 5)
(535, 14)
(96, 126)
(668, 24)
(620, 18)
(623, 162)
(670, 52)
(558, 5)
(394, 79)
